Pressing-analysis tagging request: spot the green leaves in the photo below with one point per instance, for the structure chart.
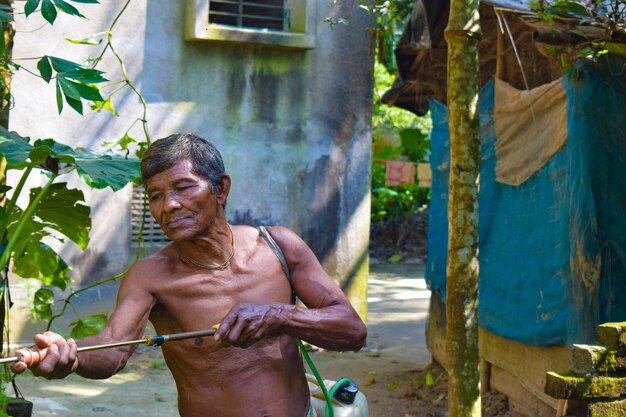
(107, 105)
(83, 327)
(61, 209)
(107, 170)
(88, 326)
(585, 14)
(97, 170)
(48, 11)
(73, 81)
(42, 304)
(39, 261)
(569, 8)
(15, 149)
(430, 381)
(50, 8)
(618, 49)
(85, 41)
(6, 12)
(31, 6)
(6, 15)
(559, 10)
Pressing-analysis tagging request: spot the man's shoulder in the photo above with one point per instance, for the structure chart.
(280, 232)
(154, 262)
(254, 232)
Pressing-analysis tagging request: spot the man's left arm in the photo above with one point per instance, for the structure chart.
(328, 321)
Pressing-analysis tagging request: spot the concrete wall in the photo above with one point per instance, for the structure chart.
(293, 125)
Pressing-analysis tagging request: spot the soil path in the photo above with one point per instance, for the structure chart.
(391, 371)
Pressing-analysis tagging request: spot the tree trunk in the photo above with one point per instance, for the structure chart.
(463, 36)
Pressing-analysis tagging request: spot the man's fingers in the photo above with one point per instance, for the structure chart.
(225, 326)
(52, 357)
(64, 353)
(18, 367)
(73, 350)
(45, 339)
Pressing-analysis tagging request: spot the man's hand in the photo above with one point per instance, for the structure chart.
(246, 324)
(53, 358)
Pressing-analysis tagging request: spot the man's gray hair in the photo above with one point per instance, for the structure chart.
(164, 153)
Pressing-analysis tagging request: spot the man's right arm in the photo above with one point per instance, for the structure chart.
(127, 322)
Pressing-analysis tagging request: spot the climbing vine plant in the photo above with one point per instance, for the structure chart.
(55, 211)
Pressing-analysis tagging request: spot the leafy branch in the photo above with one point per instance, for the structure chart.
(53, 210)
(74, 82)
(591, 29)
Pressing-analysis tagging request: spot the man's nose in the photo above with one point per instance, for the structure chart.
(171, 202)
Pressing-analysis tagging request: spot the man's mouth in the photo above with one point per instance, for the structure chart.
(176, 222)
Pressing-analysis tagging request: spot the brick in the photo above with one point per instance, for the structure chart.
(611, 335)
(573, 386)
(597, 359)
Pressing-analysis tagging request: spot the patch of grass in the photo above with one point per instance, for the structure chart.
(392, 386)
(158, 364)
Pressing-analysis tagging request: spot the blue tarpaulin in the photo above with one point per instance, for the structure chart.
(552, 250)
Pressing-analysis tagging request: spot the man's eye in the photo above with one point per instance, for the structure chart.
(155, 197)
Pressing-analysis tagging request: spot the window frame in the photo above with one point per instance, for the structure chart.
(300, 34)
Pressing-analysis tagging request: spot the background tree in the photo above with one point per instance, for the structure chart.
(463, 37)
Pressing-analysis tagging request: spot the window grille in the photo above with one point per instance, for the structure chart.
(257, 14)
(276, 23)
(152, 233)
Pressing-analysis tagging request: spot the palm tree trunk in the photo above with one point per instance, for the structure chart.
(463, 37)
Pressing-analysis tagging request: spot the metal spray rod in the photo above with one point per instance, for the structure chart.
(156, 340)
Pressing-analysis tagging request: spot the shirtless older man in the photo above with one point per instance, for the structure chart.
(212, 273)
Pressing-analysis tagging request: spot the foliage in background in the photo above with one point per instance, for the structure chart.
(391, 18)
(398, 135)
(593, 28)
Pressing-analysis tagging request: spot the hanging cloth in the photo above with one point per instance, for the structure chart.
(531, 126)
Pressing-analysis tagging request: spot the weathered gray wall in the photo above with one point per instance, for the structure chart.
(293, 125)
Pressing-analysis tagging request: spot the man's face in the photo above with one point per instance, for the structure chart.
(182, 202)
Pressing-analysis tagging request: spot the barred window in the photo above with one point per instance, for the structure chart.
(258, 14)
(152, 234)
(280, 23)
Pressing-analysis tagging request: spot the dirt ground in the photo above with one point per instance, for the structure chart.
(394, 371)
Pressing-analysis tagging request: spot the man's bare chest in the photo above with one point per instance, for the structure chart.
(183, 299)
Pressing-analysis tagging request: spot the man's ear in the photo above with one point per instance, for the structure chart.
(222, 189)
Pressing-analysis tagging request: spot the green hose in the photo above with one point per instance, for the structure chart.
(320, 381)
(342, 382)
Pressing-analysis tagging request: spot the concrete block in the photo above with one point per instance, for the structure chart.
(611, 335)
(607, 409)
(566, 386)
(597, 359)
